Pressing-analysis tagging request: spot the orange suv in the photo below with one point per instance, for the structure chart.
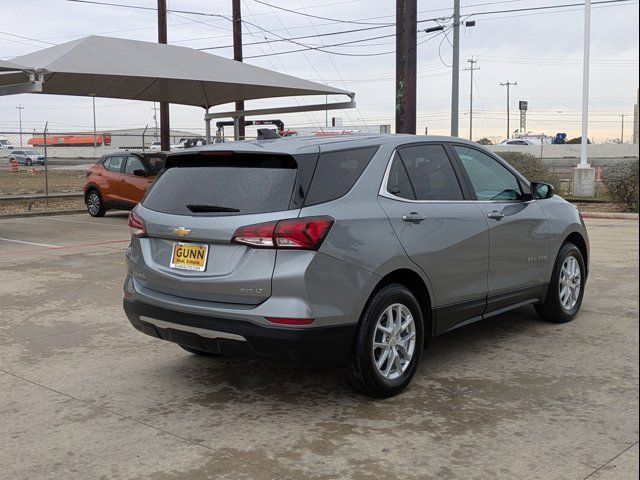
(120, 180)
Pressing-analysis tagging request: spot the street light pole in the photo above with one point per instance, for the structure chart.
(585, 85)
(20, 108)
(455, 77)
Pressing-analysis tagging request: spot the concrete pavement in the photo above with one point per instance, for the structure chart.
(83, 395)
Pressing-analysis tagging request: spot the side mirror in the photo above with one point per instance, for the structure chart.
(140, 172)
(541, 191)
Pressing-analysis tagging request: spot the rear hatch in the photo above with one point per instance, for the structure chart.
(199, 200)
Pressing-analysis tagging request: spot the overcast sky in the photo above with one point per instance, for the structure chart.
(541, 50)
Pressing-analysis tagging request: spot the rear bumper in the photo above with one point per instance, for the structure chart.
(235, 337)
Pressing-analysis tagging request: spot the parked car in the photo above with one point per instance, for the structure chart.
(350, 250)
(515, 141)
(157, 146)
(27, 157)
(120, 180)
(5, 144)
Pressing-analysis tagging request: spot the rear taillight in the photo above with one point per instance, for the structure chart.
(305, 233)
(136, 226)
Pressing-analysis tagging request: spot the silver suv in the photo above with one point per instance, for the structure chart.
(352, 250)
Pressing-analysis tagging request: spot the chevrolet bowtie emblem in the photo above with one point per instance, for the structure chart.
(183, 232)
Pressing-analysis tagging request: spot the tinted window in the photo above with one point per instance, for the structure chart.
(430, 173)
(239, 184)
(398, 183)
(113, 164)
(155, 163)
(133, 163)
(490, 179)
(337, 172)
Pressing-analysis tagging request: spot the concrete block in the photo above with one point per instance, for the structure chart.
(584, 181)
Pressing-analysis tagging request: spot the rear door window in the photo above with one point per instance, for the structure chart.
(235, 184)
(430, 173)
(133, 163)
(337, 172)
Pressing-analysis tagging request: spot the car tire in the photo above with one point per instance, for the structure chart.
(28, 162)
(566, 289)
(95, 205)
(201, 353)
(379, 339)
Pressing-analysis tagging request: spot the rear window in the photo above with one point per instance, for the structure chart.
(337, 172)
(231, 184)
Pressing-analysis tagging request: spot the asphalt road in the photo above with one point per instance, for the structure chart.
(85, 396)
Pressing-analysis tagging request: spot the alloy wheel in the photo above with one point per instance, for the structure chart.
(93, 203)
(570, 283)
(394, 341)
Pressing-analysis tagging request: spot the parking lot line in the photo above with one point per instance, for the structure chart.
(98, 223)
(59, 247)
(29, 243)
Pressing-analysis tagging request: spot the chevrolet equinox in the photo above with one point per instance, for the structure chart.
(350, 250)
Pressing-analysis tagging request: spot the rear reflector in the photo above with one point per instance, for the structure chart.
(291, 321)
(136, 226)
(305, 233)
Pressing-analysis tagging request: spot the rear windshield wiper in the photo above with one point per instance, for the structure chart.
(211, 208)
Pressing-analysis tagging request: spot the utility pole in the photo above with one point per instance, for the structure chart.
(622, 129)
(406, 26)
(238, 122)
(20, 108)
(508, 85)
(471, 69)
(455, 76)
(165, 141)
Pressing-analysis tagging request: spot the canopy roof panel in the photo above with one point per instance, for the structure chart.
(131, 69)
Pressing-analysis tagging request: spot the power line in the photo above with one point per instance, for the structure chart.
(319, 17)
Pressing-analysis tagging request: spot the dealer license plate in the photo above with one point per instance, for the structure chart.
(189, 256)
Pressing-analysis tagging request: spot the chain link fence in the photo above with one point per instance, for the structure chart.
(53, 164)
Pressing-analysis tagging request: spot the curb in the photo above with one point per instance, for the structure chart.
(43, 214)
(610, 215)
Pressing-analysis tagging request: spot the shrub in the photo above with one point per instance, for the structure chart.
(621, 182)
(485, 141)
(531, 167)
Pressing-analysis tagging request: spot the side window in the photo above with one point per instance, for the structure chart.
(398, 183)
(430, 173)
(490, 179)
(114, 164)
(336, 172)
(133, 163)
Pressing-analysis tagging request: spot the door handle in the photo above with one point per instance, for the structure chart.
(495, 215)
(413, 217)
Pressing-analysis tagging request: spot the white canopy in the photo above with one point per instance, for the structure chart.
(131, 69)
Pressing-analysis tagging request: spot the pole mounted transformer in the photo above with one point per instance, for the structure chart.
(406, 46)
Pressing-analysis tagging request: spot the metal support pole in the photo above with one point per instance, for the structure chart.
(406, 26)
(20, 108)
(455, 73)
(585, 85)
(622, 130)
(95, 140)
(207, 128)
(237, 56)
(46, 165)
(165, 141)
